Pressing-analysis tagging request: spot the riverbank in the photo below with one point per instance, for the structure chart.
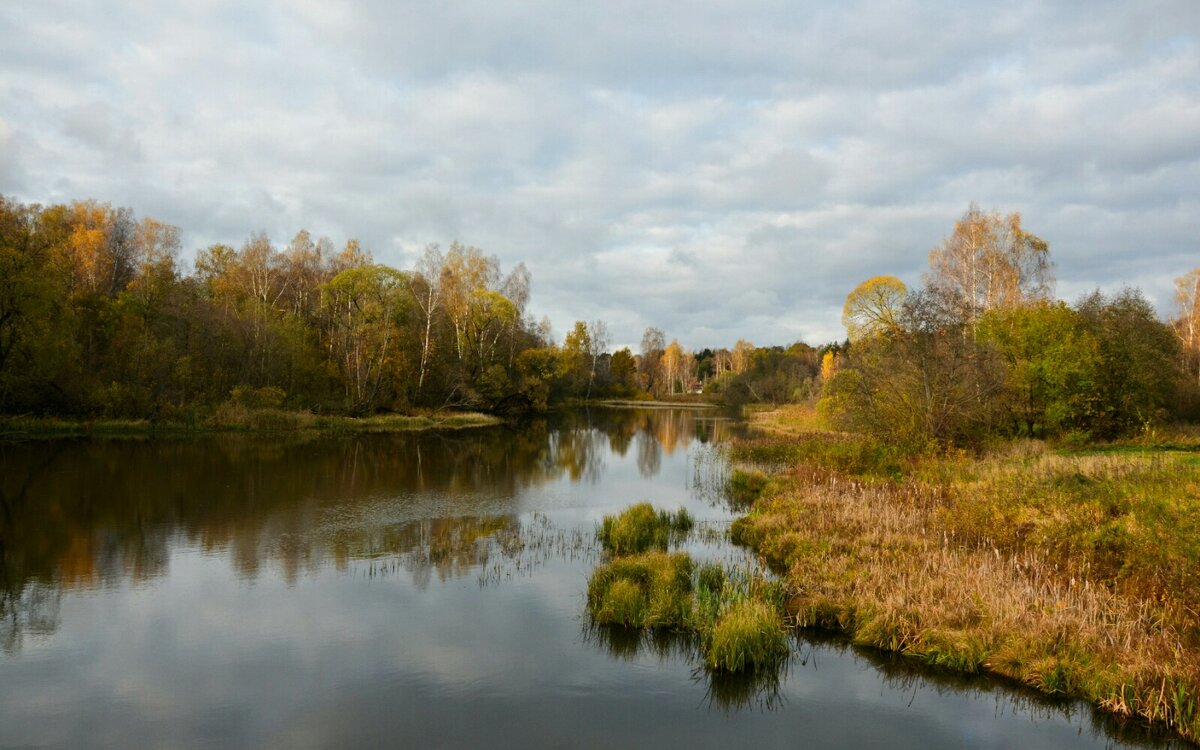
(689, 403)
(1075, 572)
(239, 421)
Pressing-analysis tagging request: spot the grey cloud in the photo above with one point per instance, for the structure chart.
(726, 170)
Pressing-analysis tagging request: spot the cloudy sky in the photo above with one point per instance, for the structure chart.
(718, 169)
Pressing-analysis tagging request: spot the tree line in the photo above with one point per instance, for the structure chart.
(99, 319)
(983, 348)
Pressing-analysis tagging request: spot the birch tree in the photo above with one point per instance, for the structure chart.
(597, 344)
(873, 308)
(426, 287)
(990, 262)
(1187, 322)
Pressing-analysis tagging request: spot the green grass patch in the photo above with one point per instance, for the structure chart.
(748, 635)
(641, 528)
(745, 486)
(650, 590)
(738, 615)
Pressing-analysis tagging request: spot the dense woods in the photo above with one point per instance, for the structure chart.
(97, 318)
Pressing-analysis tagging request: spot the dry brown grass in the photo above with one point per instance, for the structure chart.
(1000, 565)
(787, 419)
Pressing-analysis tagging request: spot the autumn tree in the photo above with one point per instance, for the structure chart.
(924, 383)
(739, 358)
(672, 365)
(873, 308)
(574, 356)
(623, 370)
(34, 342)
(1187, 320)
(465, 270)
(490, 317)
(653, 344)
(687, 372)
(597, 331)
(426, 287)
(828, 365)
(364, 306)
(305, 269)
(989, 262)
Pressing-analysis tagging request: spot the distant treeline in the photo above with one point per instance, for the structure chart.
(98, 319)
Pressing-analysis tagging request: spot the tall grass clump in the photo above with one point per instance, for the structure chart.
(745, 486)
(650, 590)
(641, 528)
(737, 614)
(749, 635)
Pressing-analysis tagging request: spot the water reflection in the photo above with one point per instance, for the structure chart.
(83, 514)
(315, 591)
(727, 692)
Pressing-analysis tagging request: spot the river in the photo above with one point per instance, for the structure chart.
(414, 590)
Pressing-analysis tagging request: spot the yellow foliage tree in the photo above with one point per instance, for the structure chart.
(828, 365)
(873, 308)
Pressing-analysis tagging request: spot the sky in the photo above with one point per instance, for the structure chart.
(720, 170)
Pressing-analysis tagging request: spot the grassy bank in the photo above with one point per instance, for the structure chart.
(241, 420)
(1074, 572)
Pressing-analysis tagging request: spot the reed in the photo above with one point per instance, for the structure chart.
(649, 590)
(1073, 573)
(748, 635)
(640, 528)
(736, 614)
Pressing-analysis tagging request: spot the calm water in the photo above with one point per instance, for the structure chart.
(410, 590)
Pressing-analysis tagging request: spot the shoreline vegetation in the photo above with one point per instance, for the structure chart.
(1074, 570)
(253, 421)
(734, 617)
(237, 418)
(653, 403)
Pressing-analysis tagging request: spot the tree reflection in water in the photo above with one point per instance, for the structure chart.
(79, 514)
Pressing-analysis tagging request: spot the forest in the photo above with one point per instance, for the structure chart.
(99, 319)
